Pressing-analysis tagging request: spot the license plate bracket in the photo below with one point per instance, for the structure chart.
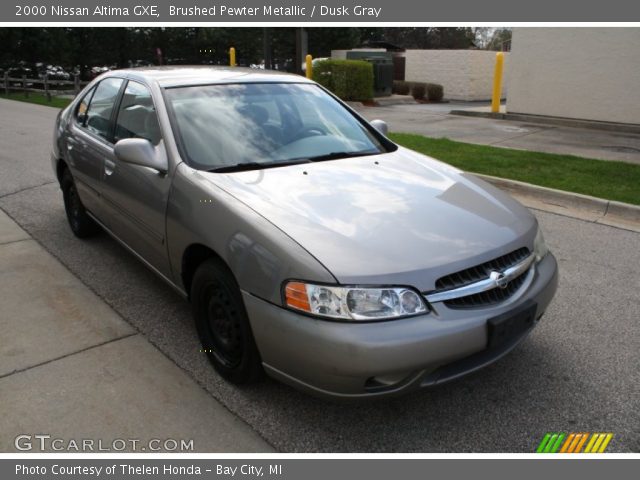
(506, 327)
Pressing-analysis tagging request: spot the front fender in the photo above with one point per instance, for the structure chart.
(259, 254)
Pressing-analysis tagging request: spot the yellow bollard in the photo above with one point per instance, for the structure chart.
(309, 72)
(232, 56)
(497, 83)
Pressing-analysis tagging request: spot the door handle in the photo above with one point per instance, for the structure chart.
(109, 166)
(71, 144)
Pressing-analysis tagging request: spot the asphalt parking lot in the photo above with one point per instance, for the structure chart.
(577, 372)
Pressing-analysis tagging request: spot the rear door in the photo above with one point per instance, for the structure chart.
(136, 196)
(89, 143)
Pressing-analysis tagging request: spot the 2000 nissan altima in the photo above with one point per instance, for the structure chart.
(309, 245)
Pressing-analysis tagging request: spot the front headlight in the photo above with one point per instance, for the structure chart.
(539, 246)
(353, 303)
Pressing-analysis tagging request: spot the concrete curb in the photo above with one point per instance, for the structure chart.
(543, 120)
(585, 207)
(394, 100)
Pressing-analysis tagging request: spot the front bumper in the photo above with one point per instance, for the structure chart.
(353, 360)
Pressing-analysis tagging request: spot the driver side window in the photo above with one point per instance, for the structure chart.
(137, 115)
(98, 115)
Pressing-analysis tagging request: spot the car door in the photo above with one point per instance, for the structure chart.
(136, 196)
(89, 143)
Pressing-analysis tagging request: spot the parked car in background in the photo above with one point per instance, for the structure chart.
(52, 72)
(21, 70)
(310, 246)
(98, 70)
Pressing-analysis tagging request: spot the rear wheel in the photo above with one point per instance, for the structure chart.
(223, 325)
(82, 225)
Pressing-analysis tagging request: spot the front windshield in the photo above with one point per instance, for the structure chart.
(222, 126)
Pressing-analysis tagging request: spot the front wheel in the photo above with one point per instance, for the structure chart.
(82, 225)
(223, 325)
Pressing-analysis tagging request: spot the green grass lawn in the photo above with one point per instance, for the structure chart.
(599, 178)
(37, 98)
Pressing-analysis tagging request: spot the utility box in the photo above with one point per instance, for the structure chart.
(383, 70)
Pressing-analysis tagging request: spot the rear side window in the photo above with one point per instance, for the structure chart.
(137, 115)
(99, 112)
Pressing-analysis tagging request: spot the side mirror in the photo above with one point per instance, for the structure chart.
(380, 125)
(139, 151)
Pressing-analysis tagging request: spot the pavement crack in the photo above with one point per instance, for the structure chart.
(15, 241)
(604, 215)
(27, 188)
(46, 362)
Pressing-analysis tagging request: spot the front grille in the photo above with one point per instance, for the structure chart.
(481, 272)
(488, 298)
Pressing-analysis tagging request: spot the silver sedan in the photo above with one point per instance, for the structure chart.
(310, 246)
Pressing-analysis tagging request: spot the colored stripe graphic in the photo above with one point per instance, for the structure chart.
(543, 443)
(581, 443)
(571, 441)
(551, 443)
(558, 442)
(605, 443)
(556, 446)
(591, 442)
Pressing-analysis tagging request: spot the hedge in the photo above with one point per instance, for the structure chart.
(348, 79)
(418, 90)
(400, 87)
(435, 92)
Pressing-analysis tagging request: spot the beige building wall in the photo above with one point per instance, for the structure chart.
(584, 73)
(464, 74)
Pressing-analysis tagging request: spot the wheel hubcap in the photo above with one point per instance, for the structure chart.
(224, 328)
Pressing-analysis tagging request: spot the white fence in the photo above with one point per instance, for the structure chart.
(48, 87)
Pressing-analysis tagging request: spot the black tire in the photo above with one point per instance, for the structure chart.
(223, 325)
(82, 225)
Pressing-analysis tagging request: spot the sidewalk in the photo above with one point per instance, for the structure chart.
(72, 368)
(435, 120)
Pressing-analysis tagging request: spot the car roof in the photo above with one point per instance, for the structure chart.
(177, 76)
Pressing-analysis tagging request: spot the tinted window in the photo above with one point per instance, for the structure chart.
(225, 125)
(101, 106)
(137, 116)
(83, 106)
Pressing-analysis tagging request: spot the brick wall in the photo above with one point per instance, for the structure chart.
(584, 73)
(464, 74)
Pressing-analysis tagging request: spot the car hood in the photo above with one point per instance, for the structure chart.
(396, 218)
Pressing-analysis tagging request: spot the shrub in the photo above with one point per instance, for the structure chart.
(435, 92)
(400, 87)
(348, 79)
(418, 90)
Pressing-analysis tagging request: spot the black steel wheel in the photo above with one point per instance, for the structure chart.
(82, 225)
(223, 325)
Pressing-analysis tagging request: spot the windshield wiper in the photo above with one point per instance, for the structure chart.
(244, 166)
(339, 155)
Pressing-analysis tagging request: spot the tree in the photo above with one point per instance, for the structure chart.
(429, 37)
(501, 40)
(85, 47)
(482, 36)
(323, 40)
